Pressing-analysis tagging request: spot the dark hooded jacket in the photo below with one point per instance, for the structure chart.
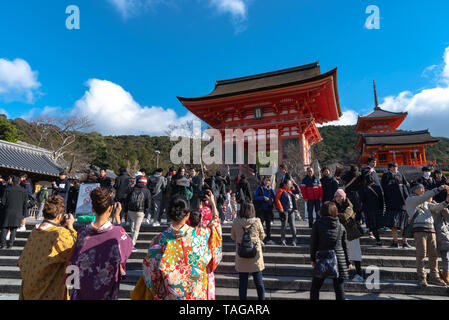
(324, 237)
(122, 186)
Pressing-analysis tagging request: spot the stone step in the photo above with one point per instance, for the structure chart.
(232, 294)
(142, 246)
(283, 287)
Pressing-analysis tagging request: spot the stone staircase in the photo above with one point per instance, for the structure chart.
(287, 275)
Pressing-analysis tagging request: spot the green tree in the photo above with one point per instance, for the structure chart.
(8, 131)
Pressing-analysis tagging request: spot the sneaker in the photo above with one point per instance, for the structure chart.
(156, 224)
(2, 247)
(379, 244)
(283, 243)
(436, 281)
(394, 245)
(271, 243)
(294, 244)
(8, 235)
(134, 250)
(406, 246)
(371, 236)
(8, 247)
(22, 229)
(358, 278)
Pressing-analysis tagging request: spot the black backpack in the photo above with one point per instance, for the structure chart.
(247, 249)
(31, 202)
(154, 185)
(137, 201)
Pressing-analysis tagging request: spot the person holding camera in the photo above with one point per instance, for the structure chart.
(247, 231)
(101, 251)
(180, 258)
(44, 259)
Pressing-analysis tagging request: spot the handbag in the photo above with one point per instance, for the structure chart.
(326, 263)
(408, 230)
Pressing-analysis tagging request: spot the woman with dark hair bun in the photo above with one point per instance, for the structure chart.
(44, 258)
(180, 258)
(101, 252)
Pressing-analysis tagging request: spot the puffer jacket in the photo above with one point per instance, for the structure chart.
(424, 220)
(324, 237)
(245, 265)
(441, 221)
(311, 188)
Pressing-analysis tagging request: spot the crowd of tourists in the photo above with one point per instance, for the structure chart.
(181, 261)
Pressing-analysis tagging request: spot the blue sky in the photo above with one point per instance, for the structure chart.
(131, 58)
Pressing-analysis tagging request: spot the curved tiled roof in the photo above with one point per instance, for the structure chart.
(28, 159)
(380, 113)
(399, 138)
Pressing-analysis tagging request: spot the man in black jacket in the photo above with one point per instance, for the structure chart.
(426, 179)
(244, 192)
(62, 186)
(104, 181)
(122, 188)
(12, 211)
(137, 205)
(329, 184)
(440, 180)
(157, 184)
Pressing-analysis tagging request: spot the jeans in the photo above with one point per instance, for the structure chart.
(339, 288)
(220, 211)
(426, 245)
(156, 210)
(313, 204)
(40, 211)
(258, 282)
(290, 216)
(445, 260)
(136, 222)
(12, 237)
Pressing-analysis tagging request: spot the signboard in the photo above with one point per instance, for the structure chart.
(258, 113)
(84, 204)
(183, 182)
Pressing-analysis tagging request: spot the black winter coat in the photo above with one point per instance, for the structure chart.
(443, 194)
(324, 237)
(122, 187)
(105, 183)
(330, 186)
(244, 191)
(13, 207)
(221, 185)
(429, 184)
(147, 203)
(353, 190)
(72, 199)
(396, 190)
(372, 198)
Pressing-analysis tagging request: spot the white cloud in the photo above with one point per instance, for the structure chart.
(236, 8)
(428, 108)
(113, 111)
(348, 118)
(3, 111)
(17, 81)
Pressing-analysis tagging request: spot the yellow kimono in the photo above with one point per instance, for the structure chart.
(43, 263)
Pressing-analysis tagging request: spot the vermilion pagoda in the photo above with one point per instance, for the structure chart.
(292, 100)
(380, 139)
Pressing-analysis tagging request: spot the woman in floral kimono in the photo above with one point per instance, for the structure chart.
(101, 252)
(44, 259)
(180, 258)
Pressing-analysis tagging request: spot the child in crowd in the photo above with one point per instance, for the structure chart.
(230, 207)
